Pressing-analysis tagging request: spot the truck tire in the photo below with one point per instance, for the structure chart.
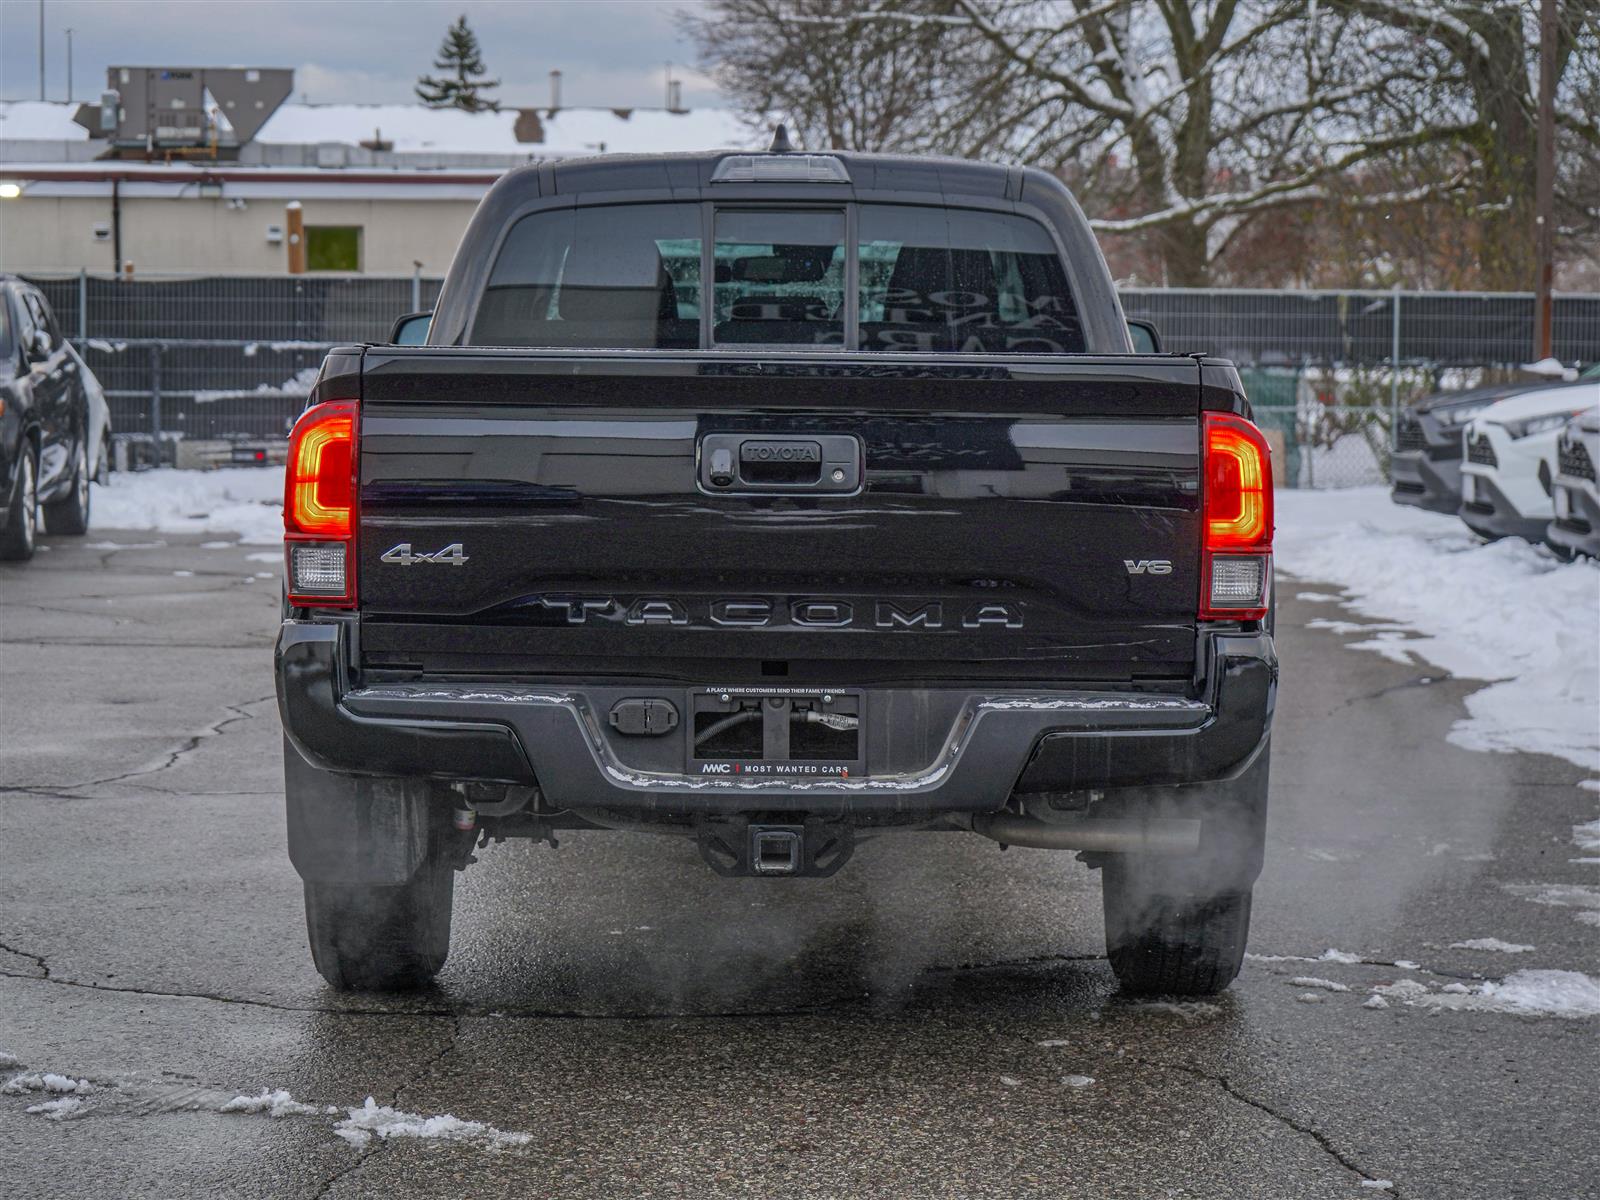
(70, 514)
(20, 527)
(372, 853)
(373, 938)
(1190, 945)
(1177, 926)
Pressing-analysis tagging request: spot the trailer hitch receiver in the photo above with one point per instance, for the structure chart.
(742, 845)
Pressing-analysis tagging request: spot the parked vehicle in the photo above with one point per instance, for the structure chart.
(46, 455)
(1506, 481)
(1425, 468)
(99, 435)
(1575, 527)
(777, 501)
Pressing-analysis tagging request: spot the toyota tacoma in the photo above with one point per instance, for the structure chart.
(777, 501)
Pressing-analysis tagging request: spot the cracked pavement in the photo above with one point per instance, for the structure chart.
(660, 1031)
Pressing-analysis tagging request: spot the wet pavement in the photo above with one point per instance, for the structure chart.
(919, 1025)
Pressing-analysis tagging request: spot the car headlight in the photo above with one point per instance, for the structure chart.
(1529, 426)
(1459, 416)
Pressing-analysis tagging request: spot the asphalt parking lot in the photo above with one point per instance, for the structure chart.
(920, 1025)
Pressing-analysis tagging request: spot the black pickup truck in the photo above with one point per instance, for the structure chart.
(777, 501)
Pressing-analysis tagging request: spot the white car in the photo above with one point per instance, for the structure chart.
(1506, 480)
(98, 435)
(1576, 528)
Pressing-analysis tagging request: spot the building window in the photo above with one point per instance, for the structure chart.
(333, 247)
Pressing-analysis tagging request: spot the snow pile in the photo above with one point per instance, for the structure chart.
(1492, 944)
(379, 1120)
(1526, 993)
(1311, 981)
(56, 1110)
(275, 1103)
(243, 500)
(1077, 1081)
(46, 1082)
(1507, 612)
(1331, 954)
(1561, 895)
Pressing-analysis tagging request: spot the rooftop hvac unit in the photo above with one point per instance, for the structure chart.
(178, 108)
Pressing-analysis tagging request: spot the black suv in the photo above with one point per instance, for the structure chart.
(44, 424)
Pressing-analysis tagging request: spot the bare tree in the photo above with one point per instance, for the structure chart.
(839, 77)
(1468, 71)
(1189, 128)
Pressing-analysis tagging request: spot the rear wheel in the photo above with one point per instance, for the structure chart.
(70, 515)
(374, 855)
(1173, 945)
(381, 938)
(18, 533)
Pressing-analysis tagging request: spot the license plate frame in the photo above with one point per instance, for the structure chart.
(780, 757)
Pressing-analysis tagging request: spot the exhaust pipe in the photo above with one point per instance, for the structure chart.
(1162, 835)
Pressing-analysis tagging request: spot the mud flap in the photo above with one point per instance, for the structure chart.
(348, 829)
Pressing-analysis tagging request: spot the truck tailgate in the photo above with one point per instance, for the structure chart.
(711, 516)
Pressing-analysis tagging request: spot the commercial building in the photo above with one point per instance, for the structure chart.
(381, 189)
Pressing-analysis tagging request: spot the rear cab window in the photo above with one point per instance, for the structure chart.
(962, 281)
(905, 278)
(614, 277)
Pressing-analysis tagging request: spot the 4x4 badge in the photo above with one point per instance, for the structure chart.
(451, 555)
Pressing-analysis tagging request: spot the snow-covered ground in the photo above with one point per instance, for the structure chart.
(243, 500)
(1506, 612)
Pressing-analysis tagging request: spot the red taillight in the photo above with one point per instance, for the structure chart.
(1236, 519)
(319, 506)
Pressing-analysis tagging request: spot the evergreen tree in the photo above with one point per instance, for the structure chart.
(464, 84)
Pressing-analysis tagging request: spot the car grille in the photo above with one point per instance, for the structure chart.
(1574, 460)
(1410, 435)
(1481, 452)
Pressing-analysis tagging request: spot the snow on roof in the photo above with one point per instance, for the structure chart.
(646, 131)
(39, 120)
(413, 128)
(568, 131)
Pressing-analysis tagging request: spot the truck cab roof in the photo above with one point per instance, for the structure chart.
(835, 179)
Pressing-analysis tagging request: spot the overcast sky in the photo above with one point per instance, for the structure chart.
(610, 52)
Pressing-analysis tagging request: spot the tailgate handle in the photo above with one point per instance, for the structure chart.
(731, 463)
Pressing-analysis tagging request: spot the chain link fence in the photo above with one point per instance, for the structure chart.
(222, 360)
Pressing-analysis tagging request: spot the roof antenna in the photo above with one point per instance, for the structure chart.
(780, 141)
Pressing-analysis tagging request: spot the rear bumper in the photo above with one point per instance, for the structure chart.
(998, 742)
(1426, 483)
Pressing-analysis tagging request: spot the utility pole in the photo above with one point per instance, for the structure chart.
(41, 49)
(69, 66)
(1545, 185)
